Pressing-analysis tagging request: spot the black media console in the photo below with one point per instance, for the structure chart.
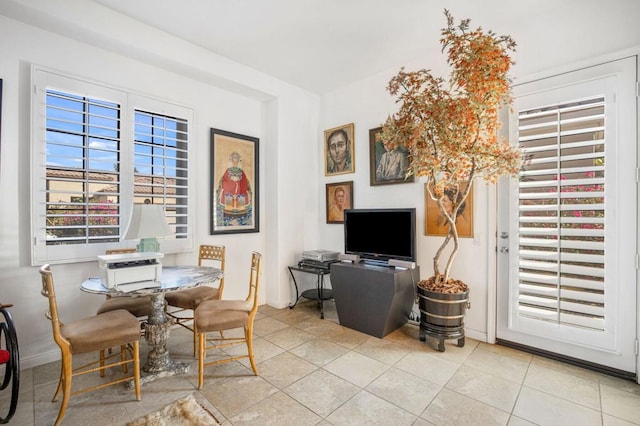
(375, 300)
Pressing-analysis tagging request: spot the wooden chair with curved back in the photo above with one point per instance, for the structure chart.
(112, 329)
(139, 307)
(220, 315)
(186, 301)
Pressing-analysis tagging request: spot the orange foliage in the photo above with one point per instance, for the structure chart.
(450, 128)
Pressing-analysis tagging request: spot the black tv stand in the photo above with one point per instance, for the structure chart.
(373, 299)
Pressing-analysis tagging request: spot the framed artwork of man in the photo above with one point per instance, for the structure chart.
(339, 197)
(388, 164)
(436, 223)
(338, 150)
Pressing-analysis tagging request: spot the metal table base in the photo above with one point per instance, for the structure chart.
(319, 293)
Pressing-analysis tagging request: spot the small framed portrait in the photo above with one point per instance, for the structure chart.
(387, 165)
(339, 197)
(338, 150)
(436, 223)
(234, 183)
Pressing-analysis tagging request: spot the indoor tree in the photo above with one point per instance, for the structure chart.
(450, 128)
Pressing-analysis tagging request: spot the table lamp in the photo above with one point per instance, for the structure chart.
(148, 223)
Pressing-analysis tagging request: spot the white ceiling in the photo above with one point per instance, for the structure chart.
(321, 45)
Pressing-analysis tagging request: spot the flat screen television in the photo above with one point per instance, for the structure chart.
(377, 235)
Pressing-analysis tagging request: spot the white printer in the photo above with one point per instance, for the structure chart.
(116, 269)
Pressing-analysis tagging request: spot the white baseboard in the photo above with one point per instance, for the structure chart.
(476, 335)
(40, 359)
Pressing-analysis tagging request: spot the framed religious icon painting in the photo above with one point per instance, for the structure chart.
(436, 223)
(338, 150)
(234, 205)
(339, 197)
(387, 164)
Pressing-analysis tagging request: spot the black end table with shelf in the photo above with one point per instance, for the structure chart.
(319, 293)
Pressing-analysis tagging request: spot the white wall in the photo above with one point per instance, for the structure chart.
(551, 42)
(367, 105)
(223, 95)
(83, 38)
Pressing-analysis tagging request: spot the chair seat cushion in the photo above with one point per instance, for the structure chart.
(137, 306)
(226, 305)
(191, 298)
(216, 315)
(102, 331)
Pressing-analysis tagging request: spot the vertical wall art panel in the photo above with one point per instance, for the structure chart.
(234, 183)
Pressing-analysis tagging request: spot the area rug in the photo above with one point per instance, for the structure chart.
(186, 411)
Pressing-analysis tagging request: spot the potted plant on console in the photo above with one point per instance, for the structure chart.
(451, 132)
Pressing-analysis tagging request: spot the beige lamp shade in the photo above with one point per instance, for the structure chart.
(148, 222)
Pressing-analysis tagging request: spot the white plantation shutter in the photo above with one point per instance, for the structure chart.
(161, 166)
(567, 229)
(96, 151)
(562, 214)
(82, 194)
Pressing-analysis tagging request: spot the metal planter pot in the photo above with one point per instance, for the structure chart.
(442, 315)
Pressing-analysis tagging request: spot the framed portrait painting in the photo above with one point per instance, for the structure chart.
(339, 198)
(435, 222)
(387, 165)
(338, 150)
(234, 183)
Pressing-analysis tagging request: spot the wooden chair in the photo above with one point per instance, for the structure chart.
(139, 307)
(191, 298)
(219, 315)
(96, 333)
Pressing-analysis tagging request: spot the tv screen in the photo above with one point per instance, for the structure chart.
(380, 234)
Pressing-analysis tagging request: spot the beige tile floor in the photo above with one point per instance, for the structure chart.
(316, 372)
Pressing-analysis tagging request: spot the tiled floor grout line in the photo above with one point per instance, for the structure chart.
(522, 385)
(301, 323)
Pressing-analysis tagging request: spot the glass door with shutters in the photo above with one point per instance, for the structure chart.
(567, 230)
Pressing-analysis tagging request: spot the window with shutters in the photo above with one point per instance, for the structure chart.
(82, 201)
(160, 166)
(97, 151)
(562, 214)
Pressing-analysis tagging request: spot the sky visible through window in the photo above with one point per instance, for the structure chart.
(84, 143)
(82, 133)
